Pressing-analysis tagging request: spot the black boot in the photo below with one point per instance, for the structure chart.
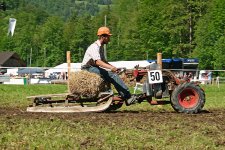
(131, 100)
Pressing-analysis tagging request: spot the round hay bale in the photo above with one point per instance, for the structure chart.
(84, 83)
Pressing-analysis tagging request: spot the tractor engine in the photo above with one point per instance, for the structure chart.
(157, 90)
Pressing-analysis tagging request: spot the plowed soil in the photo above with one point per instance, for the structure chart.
(209, 116)
(208, 125)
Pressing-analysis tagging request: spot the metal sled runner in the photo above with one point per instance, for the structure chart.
(66, 103)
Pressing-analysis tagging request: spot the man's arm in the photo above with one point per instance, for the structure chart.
(105, 65)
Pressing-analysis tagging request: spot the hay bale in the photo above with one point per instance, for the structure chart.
(84, 83)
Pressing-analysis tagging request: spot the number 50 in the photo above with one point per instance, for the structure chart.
(155, 76)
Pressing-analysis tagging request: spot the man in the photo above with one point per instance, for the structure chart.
(94, 61)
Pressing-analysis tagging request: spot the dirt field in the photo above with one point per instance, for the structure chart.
(138, 126)
(211, 117)
(152, 130)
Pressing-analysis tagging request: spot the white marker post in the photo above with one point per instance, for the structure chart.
(12, 26)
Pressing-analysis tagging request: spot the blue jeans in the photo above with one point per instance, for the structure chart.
(113, 78)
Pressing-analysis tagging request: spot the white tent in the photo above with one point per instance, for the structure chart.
(63, 68)
(12, 71)
(130, 64)
(77, 66)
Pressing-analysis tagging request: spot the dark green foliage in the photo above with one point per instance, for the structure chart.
(210, 35)
(140, 28)
(65, 8)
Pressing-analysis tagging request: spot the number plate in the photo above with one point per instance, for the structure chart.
(155, 76)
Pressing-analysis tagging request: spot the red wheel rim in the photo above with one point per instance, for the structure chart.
(188, 98)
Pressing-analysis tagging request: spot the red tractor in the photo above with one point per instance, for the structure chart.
(184, 96)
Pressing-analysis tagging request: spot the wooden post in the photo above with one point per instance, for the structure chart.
(68, 65)
(159, 59)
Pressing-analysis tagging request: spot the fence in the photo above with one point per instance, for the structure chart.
(38, 75)
(33, 75)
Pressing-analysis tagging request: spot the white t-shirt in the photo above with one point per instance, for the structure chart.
(94, 52)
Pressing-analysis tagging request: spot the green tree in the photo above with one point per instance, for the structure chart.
(28, 18)
(126, 38)
(210, 36)
(52, 47)
(167, 26)
(78, 33)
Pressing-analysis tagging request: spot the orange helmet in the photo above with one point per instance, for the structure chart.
(103, 30)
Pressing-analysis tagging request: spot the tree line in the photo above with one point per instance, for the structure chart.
(46, 29)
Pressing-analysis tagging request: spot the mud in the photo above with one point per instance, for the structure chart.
(119, 117)
(209, 124)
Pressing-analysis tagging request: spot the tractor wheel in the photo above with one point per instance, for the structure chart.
(188, 98)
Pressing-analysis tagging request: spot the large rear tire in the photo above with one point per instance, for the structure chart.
(188, 98)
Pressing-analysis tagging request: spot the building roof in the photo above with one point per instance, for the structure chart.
(11, 59)
(4, 56)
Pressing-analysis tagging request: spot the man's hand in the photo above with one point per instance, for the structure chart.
(114, 69)
(106, 65)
